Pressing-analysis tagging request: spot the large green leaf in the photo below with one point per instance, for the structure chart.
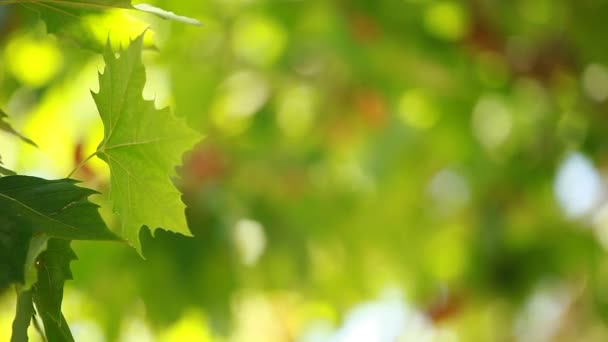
(53, 270)
(57, 208)
(142, 146)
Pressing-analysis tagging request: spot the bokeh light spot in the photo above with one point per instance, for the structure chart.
(417, 110)
(492, 121)
(449, 191)
(577, 185)
(33, 62)
(446, 20)
(258, 40)
(191, 327)
(118, 28)
(241, 96)
(250, 240)
(595, 82)
(296, 110)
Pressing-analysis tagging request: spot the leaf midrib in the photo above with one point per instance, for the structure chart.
(129, 77)
(37, 212)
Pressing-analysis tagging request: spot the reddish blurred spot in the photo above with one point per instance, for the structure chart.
(482, 35)
(340, 132)
(203, 165)
(10, 21)
(372, 107)
(84, 171)
(548, 59)
(362, 27)
(339, 124)
(541, 60)
(444, 308)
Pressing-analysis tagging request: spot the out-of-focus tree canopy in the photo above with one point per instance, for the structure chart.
(371, 170)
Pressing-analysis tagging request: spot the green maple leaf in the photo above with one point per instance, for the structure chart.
(142, 146)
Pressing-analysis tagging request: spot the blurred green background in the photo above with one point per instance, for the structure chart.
(388, 170)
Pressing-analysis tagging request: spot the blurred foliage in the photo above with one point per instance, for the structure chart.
(350, 147)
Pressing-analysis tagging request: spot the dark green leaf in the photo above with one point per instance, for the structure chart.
(14, 243)
(57, 208)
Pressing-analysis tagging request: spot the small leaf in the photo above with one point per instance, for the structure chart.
(4, 126)
(6, 172)
(142, 146)
(53, 270)
(57, 208)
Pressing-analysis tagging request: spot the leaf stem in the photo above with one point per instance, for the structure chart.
(82, 164)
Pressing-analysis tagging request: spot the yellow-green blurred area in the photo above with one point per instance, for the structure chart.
(372, 170)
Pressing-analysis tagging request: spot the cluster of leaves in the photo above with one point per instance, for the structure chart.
(410, 143)
(142, 146)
